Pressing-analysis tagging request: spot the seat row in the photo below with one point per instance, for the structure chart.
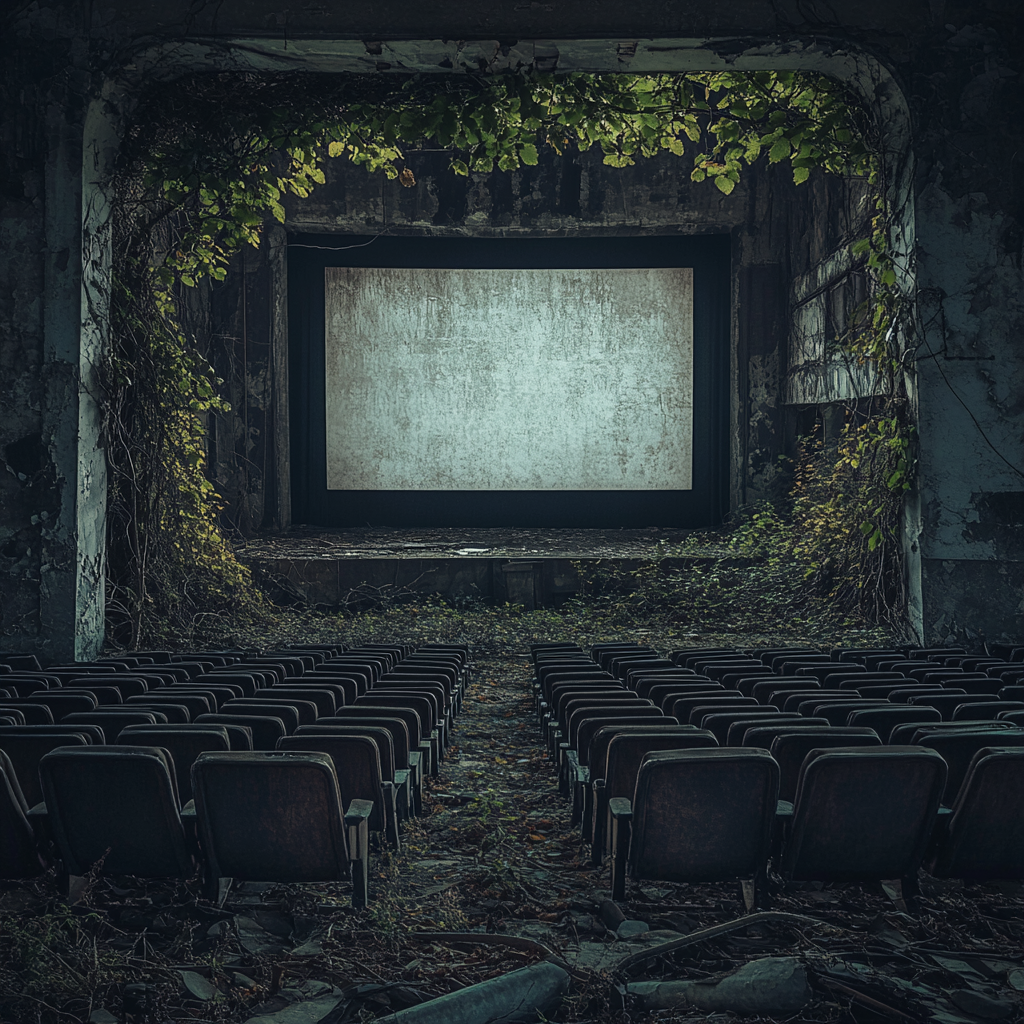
(601, 730)
(382, 714)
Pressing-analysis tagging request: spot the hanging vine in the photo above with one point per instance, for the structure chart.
(210, 159)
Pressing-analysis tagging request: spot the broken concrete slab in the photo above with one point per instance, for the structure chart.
(520, 996)
(767, 986)
(632, 929)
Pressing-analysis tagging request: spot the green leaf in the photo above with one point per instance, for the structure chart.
(725, 184)
(779, 151)
(528, 154)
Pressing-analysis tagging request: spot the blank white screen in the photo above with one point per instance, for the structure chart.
(509, 379)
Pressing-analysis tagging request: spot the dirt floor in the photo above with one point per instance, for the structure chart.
(495, 857)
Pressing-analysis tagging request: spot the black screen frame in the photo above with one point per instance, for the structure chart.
(702, 507)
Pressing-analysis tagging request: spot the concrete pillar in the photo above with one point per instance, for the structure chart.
(72, 570)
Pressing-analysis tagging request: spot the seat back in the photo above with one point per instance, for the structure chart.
(344, 691)
(270, 815)
(764, 731)
(111, 722)
(884, 719)
(719, 722)
(25, 750)
(626, 752)
(422, 705)
(958, 747)
(982, 711)
(587, 745)
(196, 703)
(947, 702)
(102, 694)
(184, 746)
(738, 726)
(282, 710)
(985, 836)
(388, 709)
(121, 798)
(837, 712)
(323, 698)
(907, 732)
(19, 857)
(682, 706)
(357, 717)
(790, 748)
(763, 688)
(356, 763)
(863, 813)
(703, 815)
(607, 713)
(602, 735)
(62, 704)
(382, 737)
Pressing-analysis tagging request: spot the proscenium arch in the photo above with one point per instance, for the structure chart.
(76, 330)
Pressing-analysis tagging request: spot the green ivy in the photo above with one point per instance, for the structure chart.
(211, 158)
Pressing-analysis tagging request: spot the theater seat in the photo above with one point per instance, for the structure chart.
(184, 746)
(958, 747)
(357, 764)
(984, 836)
(861, 814)
(26, 748)
(276, 816)
(620, 767)
(391, 770)
(264, 729)
(696, 816)
(119, 799)
(19, 854)
(790, 748)
(884, 719)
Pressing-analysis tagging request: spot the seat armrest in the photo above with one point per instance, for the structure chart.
(621, 808)
(39, 819)
(621, 811)
(784, 809)
(581, 773)
(357, 811)
(358, 836)
(190, 824)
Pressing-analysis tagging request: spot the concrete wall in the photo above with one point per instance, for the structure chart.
(777, 230)
(944, 76)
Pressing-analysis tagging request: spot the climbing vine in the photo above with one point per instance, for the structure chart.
(208, 160)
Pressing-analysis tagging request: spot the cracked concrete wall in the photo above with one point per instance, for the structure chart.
(777, 229)
(958, 65)
(54, 487)
(970, 223)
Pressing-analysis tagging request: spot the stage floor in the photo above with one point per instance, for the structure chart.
(534, 567)
(312, 542)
